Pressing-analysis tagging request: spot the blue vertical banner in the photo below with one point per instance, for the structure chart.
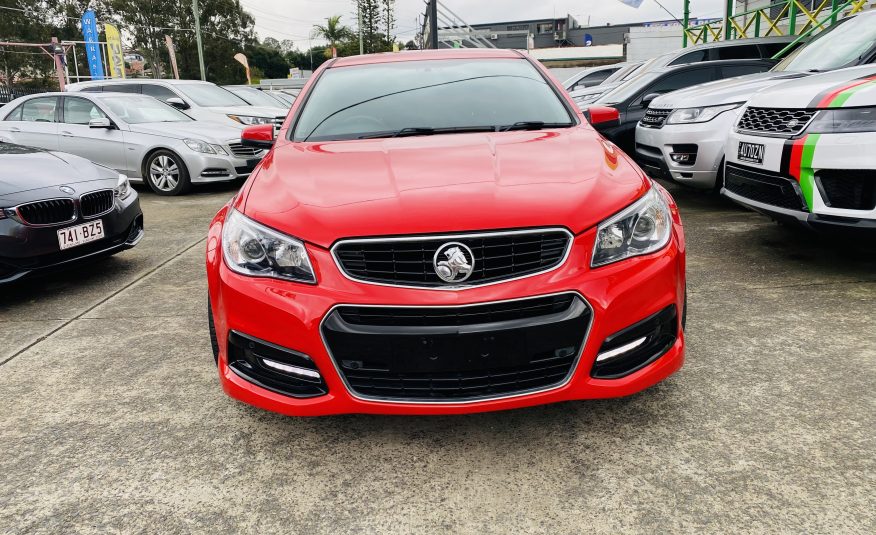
(92, 45)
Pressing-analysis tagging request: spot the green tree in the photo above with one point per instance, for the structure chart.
(333, 32)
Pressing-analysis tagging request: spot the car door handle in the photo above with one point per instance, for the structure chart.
(67, 134)
(15, 129)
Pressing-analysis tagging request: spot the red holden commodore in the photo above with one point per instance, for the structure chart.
(442, 232)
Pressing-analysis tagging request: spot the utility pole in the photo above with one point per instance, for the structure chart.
(361, 39)
(686, 23)
(198, 38)
(433, 25)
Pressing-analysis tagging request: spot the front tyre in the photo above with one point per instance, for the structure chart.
(166, 173)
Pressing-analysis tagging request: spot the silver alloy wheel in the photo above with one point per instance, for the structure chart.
(164, 173)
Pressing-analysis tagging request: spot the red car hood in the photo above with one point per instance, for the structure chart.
(322, 192)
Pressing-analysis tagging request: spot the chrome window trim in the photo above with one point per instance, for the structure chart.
(23, 221)
(462, 401)
(113, 207)
(453, 237)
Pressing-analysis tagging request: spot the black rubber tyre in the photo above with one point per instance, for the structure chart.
(214, 343)
(166, 174)
(719, 180)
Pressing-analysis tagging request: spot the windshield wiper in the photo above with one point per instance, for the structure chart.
(530, 125)
(428, 131)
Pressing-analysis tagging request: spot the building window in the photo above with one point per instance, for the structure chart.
(545, 27)
(518, 27)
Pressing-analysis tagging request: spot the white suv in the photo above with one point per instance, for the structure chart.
(202, 101)
(683, 133)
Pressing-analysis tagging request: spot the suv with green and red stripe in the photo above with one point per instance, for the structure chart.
(805, 150)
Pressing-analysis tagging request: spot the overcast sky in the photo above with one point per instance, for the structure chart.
(293, 19)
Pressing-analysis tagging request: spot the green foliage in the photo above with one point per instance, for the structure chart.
(226, 29)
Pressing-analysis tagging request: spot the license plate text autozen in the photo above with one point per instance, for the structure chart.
(80, 234)
(750, 152)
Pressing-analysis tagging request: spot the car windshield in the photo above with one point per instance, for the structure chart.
(137, 110)
(255, 97)
(430, 96)
(833, 49)
(210, 96)
(628, 89)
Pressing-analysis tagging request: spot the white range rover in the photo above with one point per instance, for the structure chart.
(805, 151)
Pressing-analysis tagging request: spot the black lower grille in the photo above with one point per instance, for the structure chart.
(767, 188)
(97, 203)
(410, 262)
(446, 354)
(848, 189)
(47, 212)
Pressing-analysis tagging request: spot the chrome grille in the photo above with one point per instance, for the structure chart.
(244, 152)
(409, 262)
(654, 118)
(50, 212)
(776, 122)
(97, 203)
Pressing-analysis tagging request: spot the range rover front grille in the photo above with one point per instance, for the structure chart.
(764, 187)
(457, 353)
(775, 122)
(49, 212)
(654, 118)
(497, 256)
(97, 203)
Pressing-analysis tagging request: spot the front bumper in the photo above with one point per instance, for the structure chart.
(218, 168)
(291, 316)
(655, 145)
(26, 251)
(825, 181)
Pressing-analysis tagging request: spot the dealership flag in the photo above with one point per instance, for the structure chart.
(633, 3)
(92, 45)
(115, 58)
(243, 61)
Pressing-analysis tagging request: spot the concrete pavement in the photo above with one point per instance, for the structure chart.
(112, 419)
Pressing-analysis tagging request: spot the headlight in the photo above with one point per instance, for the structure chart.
(640, 229)
(699, 115)
(256, 250)
(123, 188)
(248, 120)
(844, 121)
(200, 146)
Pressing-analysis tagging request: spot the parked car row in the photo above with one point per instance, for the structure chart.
(66, 159)
(754, 135)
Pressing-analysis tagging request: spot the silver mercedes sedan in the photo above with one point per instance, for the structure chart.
(136, 135)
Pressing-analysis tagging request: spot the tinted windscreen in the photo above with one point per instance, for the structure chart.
(368, 100)
(839, 46)
(138, 110)
(210, 96)
(255, 97)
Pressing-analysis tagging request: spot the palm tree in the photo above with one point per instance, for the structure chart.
(332, 32)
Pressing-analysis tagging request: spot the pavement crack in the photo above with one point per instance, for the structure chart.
(104, 300)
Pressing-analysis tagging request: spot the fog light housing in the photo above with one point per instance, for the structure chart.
(274, 368)
(638, 345)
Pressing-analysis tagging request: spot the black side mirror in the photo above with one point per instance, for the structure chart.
(178, 103)
(646, 100)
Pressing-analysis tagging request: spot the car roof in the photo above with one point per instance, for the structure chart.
(169, 81)
(713, 63)
(741, 42)
(423, 55)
